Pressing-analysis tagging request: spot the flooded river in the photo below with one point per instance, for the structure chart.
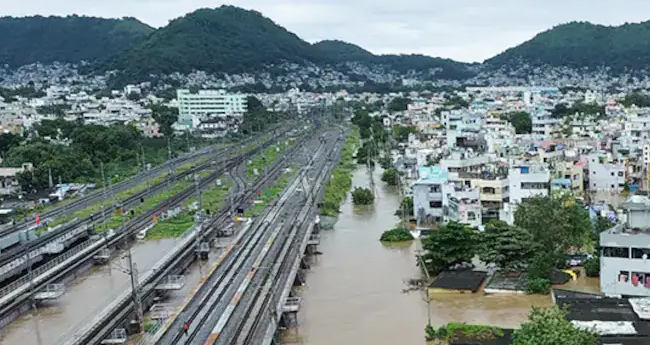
(353, 293)
(84, 298)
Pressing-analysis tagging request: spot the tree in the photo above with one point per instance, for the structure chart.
(508, 247)
(8, 141)
(556, 224)
(401, 133)
(362, 196)
(550, 326)
(390, 176)
(521, 121)
(405, 207)
(451, 244)
(398, 104)
(133, 96)
(165, 117)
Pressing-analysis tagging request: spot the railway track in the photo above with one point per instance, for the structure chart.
(118, 313)
(97, 195)
(262, 290)
(8, 258)
(209, 306)
(15, 298)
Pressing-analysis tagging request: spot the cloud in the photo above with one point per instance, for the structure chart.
(466, 30)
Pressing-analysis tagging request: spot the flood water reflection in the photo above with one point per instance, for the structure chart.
(354, 290)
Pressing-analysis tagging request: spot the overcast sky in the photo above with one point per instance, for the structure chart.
(465, 30)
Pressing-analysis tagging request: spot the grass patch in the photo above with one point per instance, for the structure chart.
(213, 199)
(269, 194)
(341, 180)
(267, 157)
(173, 227)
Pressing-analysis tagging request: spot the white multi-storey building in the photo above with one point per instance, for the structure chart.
(605, 173)
(209, 104)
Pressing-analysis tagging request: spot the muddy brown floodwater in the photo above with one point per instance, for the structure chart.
(353, 293)
(84, 298)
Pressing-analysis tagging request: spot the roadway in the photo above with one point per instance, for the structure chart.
(218, 312)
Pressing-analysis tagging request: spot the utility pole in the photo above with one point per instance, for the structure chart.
(144, 168)
(169, 151)
(135, 291)
(101, 166)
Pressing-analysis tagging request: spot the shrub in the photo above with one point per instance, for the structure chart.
(405, 207)
(396, 235)
(430, 332)
(341, 180)
(390, 176)
(592, 267)
(538, 286)
(363, 196)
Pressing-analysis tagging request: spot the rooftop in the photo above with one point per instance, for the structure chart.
(432, 174)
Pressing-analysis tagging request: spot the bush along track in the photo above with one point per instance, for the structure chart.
(341, 180)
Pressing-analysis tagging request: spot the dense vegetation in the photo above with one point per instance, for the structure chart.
(341, 181)
(453, 243)
(582, 44)
(462, 332)
(581, 109)
(545, 230)
(390, 176)
(66, 39)
(550, 326)
(362, 196)
(521, 121)
(225, 39)
(396, 235)
(119, 148)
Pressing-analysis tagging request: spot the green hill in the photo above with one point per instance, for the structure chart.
(46, 40)
(582, 44)
(339, 52)
(226, 39)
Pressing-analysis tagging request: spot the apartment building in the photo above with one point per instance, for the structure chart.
(528, 181)
(209, 104)
(605, 173)
(463, 206)
(493, 187)
(429, 194)
(625, 249)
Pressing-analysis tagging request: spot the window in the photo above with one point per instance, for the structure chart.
(620, 174)
(435, 189)
(471, 216)
(435, 204)
(623, 276)
(612, 173)
(637, 253)
(616, 252)
(612, 186)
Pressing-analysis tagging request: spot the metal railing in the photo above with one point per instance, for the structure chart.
(42, 269)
